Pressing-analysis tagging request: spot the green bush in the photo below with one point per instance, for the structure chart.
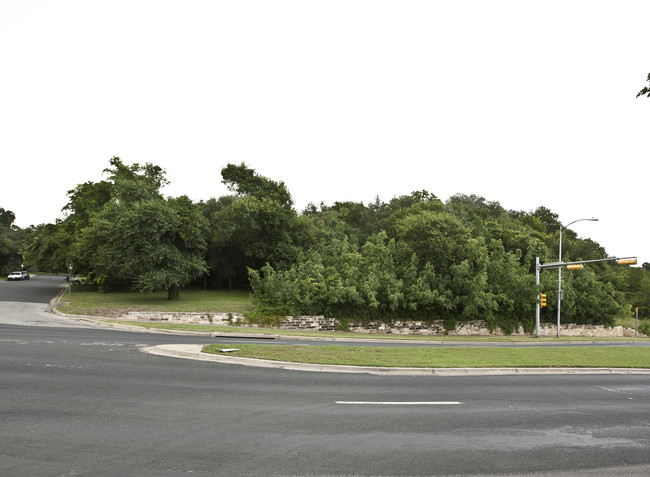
(644, 327)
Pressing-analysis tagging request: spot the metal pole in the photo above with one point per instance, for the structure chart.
(636, 325)
(537, 308)
(559, 285)
(559, 272)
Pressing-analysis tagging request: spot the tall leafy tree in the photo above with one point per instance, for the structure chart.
(52, 247)
(85, 200)
(253, 227)
(437, 238)
(361, 221)
(135, 182)
(150, 245)
(10, 242)
(133, 236)
(7, 217)
(246, 182)
(638, 284)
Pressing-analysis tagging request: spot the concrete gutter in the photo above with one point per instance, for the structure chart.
(194, 352)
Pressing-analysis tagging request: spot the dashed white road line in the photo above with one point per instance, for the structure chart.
(401, 403)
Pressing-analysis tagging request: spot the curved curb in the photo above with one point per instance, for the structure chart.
(194, 352)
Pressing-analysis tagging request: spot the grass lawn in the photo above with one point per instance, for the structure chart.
(609, 357)
(92, 303)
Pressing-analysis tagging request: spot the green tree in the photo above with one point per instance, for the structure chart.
(85, 200)
(638, 289)
(645, 90)
(513, 288)
(360, 221)
(426, 295)
(437, 238)
(549, 219)
(252, 228)
(589, 301)
(151, 244)
(51, 249)
(474, 211)
(246, 182)
(246, 232)
(135, 182)
(10, 242)
(7, 217)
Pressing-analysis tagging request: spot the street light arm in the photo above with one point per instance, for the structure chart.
(593, 219)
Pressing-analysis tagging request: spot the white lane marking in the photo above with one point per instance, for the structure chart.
(402, 403)
(609, 389)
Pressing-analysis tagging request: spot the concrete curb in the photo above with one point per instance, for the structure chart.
(194, 352)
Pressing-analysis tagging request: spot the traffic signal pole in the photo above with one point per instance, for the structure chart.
(623, 261)
(539, 305)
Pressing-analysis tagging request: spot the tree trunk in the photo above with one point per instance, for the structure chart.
(173, 293)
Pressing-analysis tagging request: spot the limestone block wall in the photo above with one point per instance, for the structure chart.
(432, 328)
(429, 328)
(312, 323)
(479, 328)
(547, 329)
(221, 319)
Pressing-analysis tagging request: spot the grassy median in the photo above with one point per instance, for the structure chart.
(454, 357)
(115, 304)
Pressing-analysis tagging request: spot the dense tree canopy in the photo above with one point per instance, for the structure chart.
(414, 257)
(149, 244)
(11, 242)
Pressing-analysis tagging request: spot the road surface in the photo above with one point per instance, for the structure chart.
(86, 401)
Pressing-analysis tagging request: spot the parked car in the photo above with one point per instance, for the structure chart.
(15, 276)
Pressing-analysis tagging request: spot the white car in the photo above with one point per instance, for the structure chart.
(16, 276)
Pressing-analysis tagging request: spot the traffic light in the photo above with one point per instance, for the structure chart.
(627, 261)
(575, 266)
(542, 300)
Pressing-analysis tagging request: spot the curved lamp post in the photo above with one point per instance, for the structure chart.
(559, 271)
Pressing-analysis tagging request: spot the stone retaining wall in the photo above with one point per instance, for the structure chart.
(217, 319)
(479, 328)
(311, 323)
(433, 328)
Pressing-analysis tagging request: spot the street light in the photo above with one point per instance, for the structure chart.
(559, 271)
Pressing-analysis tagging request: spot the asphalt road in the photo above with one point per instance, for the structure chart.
(86, 401)
(39, 289)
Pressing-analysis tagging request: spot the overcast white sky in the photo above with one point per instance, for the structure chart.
(527, 103)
